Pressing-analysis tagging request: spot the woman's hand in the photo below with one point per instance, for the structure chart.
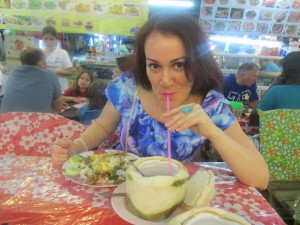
(196, 119)
(60, 153)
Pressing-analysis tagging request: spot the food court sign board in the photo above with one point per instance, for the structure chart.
(119, 17)
(270, 17)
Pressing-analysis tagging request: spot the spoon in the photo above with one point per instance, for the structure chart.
(131, 163)
(76, 154)
(121, 194)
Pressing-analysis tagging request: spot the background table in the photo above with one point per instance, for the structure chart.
(247, 127)
(71, 112)
(32, 191)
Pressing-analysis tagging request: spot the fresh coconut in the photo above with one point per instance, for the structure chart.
(200, 189)
(155, 195)
(208, 216)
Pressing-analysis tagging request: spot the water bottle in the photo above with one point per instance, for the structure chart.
(282, 52)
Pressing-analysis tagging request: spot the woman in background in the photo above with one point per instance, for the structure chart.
(58, 59)
(78, 93)
(96, 101)
(283, 93)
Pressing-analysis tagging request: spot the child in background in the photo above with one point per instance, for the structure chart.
(97, 100)
(76, 64)
(58, 59)
(78, 93)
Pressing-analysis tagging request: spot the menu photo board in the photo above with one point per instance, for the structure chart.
(116, 17)
(261, 17)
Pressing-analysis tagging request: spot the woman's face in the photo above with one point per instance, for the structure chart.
(165, 62)
(84, 81)
(49, 41)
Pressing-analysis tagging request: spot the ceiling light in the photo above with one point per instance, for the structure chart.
(171, 3)
(237, 40)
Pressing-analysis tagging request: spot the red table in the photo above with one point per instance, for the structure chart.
(247, 127)
(32, 191)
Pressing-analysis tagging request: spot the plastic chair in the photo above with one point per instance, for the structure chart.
(280, 143)
(89, 116)
(32, 133)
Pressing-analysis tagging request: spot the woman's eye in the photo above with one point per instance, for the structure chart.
(153, 66)
(179, 65)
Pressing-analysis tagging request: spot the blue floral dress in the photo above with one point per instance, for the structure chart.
(147, 136)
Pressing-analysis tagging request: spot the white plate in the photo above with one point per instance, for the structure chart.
(82, 180)
(122, 207)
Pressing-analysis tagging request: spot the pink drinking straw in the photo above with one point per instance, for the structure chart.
(169, 141)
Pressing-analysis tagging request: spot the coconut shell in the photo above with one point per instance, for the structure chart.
(217, 215)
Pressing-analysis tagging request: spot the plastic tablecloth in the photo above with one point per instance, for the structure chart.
(247, 127)
(33, 191)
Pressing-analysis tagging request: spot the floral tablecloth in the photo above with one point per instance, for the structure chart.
(32, 191)
(33, 133)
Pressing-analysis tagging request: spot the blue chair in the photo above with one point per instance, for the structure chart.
(89, 116)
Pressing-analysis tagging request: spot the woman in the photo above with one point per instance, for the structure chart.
(283, 93)
(172, 58)
(78, 93)
(58, 59)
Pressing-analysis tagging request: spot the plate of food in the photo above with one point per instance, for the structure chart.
(131, 10)
(50, 5)
(253, 2)
(291, 29)
(294, 17)
(277, 28)
(219, 25)
(262, 27)
(106, 168)
(82, 8)
(115, 9)
(37, 21)
(35, 4)
(99, 8)
(10, 19)
(269, 3)
(280, 16)
(207, 25)
(283, 4)
(66, 5)
(265, 15)
(18, 4)
(4, 4)
(248, 26)
(251, 14)
(24, 20)
(296, 4)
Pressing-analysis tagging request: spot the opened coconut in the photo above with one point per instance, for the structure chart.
(200, 189)
(156, 194)
(208, 216)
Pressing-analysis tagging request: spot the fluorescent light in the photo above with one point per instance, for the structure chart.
(246, 41)
(171, 3)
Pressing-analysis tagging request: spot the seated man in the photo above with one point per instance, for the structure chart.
(267, 66)
(31, 87)
(241, 86)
